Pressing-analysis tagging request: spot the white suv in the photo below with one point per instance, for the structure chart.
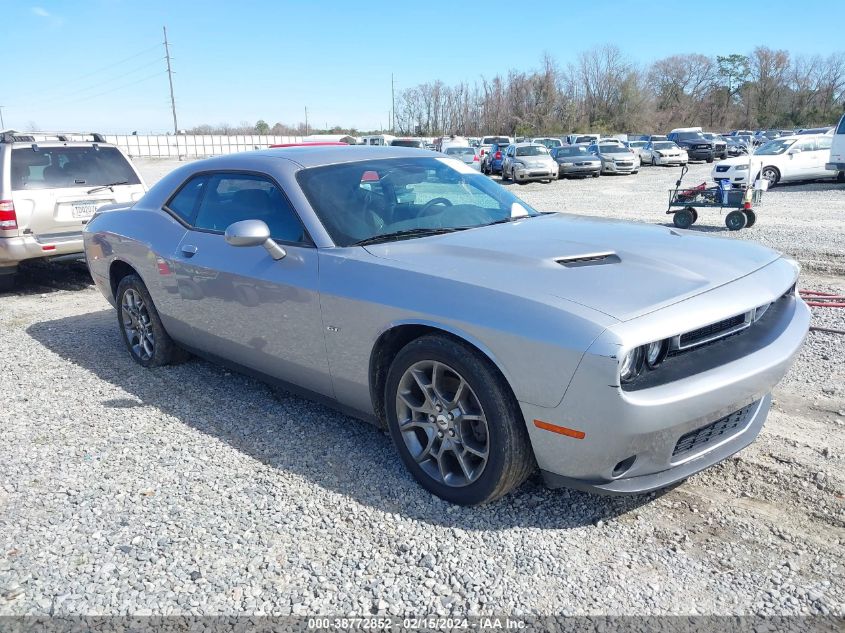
(837, 151)
(49, 188)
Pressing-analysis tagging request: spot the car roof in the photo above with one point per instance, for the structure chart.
(527, 144)
(329, 155)
(57, 144)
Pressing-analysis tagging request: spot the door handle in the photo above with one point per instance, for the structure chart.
(189, 250)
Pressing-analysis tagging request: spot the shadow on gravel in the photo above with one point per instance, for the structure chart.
(293, 435)
(41, 277)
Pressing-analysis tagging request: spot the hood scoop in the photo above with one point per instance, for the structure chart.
(588, 259)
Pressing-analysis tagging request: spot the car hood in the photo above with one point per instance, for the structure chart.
(648, 267)
(743, 160)
(619, 156)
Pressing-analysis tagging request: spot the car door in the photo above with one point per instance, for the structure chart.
(801, 160)
(240, 304)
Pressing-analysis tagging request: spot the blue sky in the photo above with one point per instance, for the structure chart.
(99, 64)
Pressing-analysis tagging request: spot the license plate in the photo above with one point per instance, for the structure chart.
(83, 209)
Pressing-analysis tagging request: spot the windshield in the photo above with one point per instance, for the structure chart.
(59, 167)
(578, 150)
(531, 150)
(406, 143)
(495, 140)
(613, 149)
(549, 142)
(636, 144)
(664, 145)
(585, 139)
(360, 200)
(773, 148)
(687, 136)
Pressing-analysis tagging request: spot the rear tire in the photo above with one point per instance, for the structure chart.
(148, 343)
(486, 428)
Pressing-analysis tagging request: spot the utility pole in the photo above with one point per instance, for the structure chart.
(2, 125)
(170, 79)
(393, 106)
(306, 120)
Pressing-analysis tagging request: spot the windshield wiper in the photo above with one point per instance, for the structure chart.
(108, 186)
(515, 218)
(395, 235)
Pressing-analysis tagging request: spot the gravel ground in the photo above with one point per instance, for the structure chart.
(190, 489)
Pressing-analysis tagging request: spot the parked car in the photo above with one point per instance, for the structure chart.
(615, 159)
(445, 142)
(491, 162)
(487, 143)
(657, 137)
(619, 358)
(574, 161)
(49, 188)
(735, 146)
(664, 153)
(837, 152)
(720, 145)
(691, 140)
(786, 159)
(524, 162)
(637, 148)
(468, 155)
(548, 141)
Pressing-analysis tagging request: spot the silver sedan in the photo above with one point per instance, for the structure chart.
(490, 339)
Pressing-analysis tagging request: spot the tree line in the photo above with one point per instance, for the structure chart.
(604, 91)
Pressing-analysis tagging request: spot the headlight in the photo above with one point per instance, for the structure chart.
(632, 365)
(741, 167)
(655, 353)
(648, 356)
(518, 163)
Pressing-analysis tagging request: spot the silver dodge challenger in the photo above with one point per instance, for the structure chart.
(490, 339)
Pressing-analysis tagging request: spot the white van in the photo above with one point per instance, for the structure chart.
(837, 151)
(377, 139)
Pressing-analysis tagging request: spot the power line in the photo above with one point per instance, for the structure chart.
(105, 92)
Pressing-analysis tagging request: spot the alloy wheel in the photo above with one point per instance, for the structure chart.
(137, 325)
(442, 423)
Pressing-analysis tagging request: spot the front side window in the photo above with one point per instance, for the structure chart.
(229, 198)
(825, 142)
(69, 166)
(404, 195)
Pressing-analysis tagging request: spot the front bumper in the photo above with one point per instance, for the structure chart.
(615, 168)
(14, 250)
(579, 170)
(631, 439)
(534, 173)
(700, 154)
(671, 160)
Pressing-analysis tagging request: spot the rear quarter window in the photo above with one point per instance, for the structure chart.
(841, 128)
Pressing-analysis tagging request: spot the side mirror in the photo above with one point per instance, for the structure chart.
(794, 150)
(253, 233)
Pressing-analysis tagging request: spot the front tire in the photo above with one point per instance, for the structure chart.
(143, 334)
(455, 422)
(772, 175)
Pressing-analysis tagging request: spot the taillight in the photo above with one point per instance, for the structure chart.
(498, 156)
(8, 219)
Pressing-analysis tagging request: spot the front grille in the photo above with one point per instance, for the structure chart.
(715, 431)
(722, 168)
(702, 147)
(711, 330)
(624, 164)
